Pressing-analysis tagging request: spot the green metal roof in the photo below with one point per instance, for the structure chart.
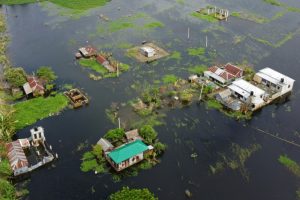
(127, 151)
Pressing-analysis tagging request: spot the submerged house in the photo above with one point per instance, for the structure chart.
(128, 154)
(33, 86)
(77, 98)
(251, 95)
(105, 63)
(26, 155)
(87, 51)
(275, 83)
(225, 97)
(147, 51)
(225, 74)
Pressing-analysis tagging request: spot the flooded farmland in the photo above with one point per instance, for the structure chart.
(205, 149)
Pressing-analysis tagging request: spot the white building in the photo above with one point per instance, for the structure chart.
(37, 135)
(274, 80)
(248, 93)
(147, 51)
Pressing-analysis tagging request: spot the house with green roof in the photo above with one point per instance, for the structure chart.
(128, 154)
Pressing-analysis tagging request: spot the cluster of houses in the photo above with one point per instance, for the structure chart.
(26, 155)
(102, 59)
(128, 154)
(34, 86)
(240, 95)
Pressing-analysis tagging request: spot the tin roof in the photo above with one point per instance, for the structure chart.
(16, 155)
(128, 151)
(35, 84)
(274, 76)
(244, 88)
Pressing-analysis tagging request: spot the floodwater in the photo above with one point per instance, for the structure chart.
(41, 36)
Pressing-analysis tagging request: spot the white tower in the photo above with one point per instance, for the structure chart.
(37, 135)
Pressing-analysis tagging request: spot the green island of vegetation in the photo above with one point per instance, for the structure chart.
(132, 194)
(92, 64)
(205, 16)
(30, 111)
(94, 160)
(292, 166)
(236, 161)
(71, 4)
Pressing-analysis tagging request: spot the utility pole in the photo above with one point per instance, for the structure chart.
(117, 69)
(119, 120)
(188, 33)
(206, 41)
(200, 97)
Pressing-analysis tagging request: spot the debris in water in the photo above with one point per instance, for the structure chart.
(188, 193)
(194, 155)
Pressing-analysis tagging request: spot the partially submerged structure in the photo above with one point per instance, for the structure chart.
(275, 83)
(26, 155)
(147, 52)
(267, 85)
(224, 75)
(77, 98)
(33, 86)
(128, 154)
(86, 52)
(218, 13)
(106, 63)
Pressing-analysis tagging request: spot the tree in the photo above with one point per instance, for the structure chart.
(148, 133)
(7, 122)
(115, 135)
(15, 76)
(132, 194)
(46, 73)
(159, 148)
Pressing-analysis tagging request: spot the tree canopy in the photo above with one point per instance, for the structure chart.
(148, 133)
(46, 73)
(132, 194)
(115, 135)
(15, 76)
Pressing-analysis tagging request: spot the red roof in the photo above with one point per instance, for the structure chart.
(234, 70)
(229, 72)
(35, 84)
(91, 50)
(100, 59)
(16, 155)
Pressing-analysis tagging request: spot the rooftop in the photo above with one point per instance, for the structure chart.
(127, 151)
(245, 88)
(274, 76)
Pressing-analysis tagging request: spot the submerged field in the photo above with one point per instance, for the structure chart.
(209, 155)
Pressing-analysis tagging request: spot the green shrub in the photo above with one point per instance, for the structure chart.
(132, 194)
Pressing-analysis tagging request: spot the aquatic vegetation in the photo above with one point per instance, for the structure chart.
(133, 194)
(170, 78)
(290, 164)
(198, 69)
(93, 160)
(180, 1)
(212, 103)
(250, 17)
(204, 16)
(236, 160)
(154, 25)
(28, 112)
(14, 2)
(175, 55)
(196, 51)
(273, 2)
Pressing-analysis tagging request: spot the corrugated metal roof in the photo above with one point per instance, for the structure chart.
(16, 155)
(274, 76)
(245, 88)
(127, 151)
(105, 144)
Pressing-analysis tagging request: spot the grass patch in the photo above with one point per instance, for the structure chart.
(94, 65)
(154, 25)
(204, 16)
(30, 111)
(250, 17)
(213, 104)
(198, 69)
(175, 55)
(167, 79)
(196, 51)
